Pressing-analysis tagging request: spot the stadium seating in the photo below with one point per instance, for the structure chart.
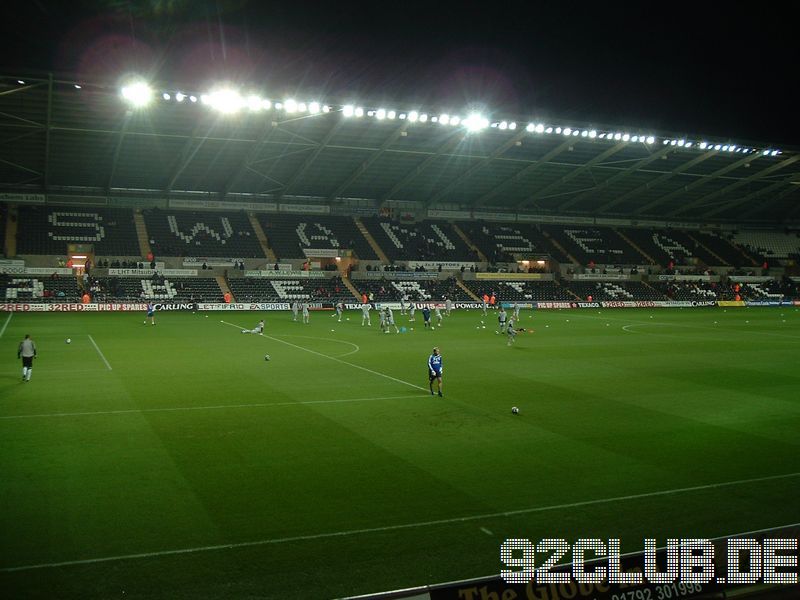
(48, 230)
(614, 290)
(21, 288)
(256, 289)
(660, 245)
(735, 256)
(501, 242)
(288, 235)
(521, 291)
(141, 289)
(391, 290)
(601, 245)
(187, 233)
(426, 240)
(770, 244)
(687, 291)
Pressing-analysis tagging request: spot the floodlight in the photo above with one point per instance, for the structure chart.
(391, 115)
(76, 86)
(688, 145)
(703, 145)
(475, 122)
(540, 128)
(584, 133)
(567, 131)
(635, 139)
(732, 148)
(205, 99)
(530, 127)
(254, 103)
(454, 121)
(774, 153)
(593, 134)
(558, 130)
(180, 96)
(402, 116)
(380, 114)
(138, 94)
(166, 96)
(717, 147)
(666, 142)
(290, 105)
(192, 98)
(359, 112)
(549, 130)
(444, 119)
(326, 109)
(503, 125)
(348, 110)
(423, 118)
(651, 140)
(434, 119)
(673, 142)
(575, 133)
(20, 81)
(626, 137)
(681, 143)
(302, 107)
(413, 116)
(725, 148)
(617, 136)
(226, 101)
(266, 104)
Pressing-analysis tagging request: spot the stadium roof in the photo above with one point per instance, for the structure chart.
(68, 137)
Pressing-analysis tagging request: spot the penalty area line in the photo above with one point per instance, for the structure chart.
(8, 320)
(398, 527)
(339, 360)
(96, 347)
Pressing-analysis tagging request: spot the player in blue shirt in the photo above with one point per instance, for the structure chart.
(435, 369)
(151, 314)
(426, 316)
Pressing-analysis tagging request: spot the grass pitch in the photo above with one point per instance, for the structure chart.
(175, 462)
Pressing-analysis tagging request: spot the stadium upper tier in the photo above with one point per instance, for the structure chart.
(424, 240)
(48, 230)
(187, 233)
(290, 236)
(501, 242)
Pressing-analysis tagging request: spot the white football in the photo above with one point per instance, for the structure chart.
(514, 410)
(266, 357)
(69, 341)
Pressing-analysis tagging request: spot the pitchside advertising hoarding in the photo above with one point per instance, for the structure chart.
(598, 569)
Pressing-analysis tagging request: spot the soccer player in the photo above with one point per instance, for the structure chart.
(448, 305)
(437, 312)
(512, 333)
(390, 321)
(306, 317)
(412, 309)
(516, 311)
(365, 308)
(382, 318)
(339, 310)
(435, 369)
(27, 352)
(259, 328)
(485, 300)
(403, 299)
(151, 314)
(426, 316)
(501, 319)
(295, 310)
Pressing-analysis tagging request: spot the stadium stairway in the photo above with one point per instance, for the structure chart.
(630, 242)
(349, 285)
(468, 242)
(11, 231)
(224, 288)
(707, 249)
(262, 238)
(560, 247)
(373, 244)
(141, 232)
(466, 290)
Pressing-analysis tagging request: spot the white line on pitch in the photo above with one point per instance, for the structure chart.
(186, 408)
(96, 347)
(366, 530)
(344, 362)
(3, 330)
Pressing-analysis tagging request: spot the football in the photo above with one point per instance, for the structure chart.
(266, 357)
(514, 410)
(69, 340)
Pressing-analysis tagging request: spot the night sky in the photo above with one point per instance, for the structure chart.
(685, 68)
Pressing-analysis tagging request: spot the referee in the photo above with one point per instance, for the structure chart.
(27, 352)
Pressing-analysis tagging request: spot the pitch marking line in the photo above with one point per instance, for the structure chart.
(366, 530)
(187, 408)
(96, 347)
(344, 362)
(310, 337)
(8, 320)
